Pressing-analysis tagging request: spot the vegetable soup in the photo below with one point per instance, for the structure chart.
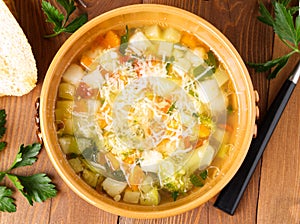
(146, 114)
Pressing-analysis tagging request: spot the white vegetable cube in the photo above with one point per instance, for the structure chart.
(94, 79)
(172, 35)
(182, 64)
(210, 90)
(194, 59)
(138, 42)
(153, 32)
(113, 187)
(131, 196)
(73, 74)
(150, 161)
(206, 156)
(165, 48)
(109, 60)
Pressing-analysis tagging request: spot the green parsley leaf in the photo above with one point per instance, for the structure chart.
(195, 180)
(175, 195)
(26, 155)
(68, 5)
(203, 174)
(53, 15)
(124, 41)
(287, 30)
(59, 20)
(37, 187)
(76, 23)
(6, 201)
(284, 25)
(171, 108)
(212, 61)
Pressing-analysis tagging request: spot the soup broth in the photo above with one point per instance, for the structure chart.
(146, 114)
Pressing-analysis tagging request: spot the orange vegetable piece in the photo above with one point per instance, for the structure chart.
(111, 39)
(86, 61)
(189, 40)
(204, 131)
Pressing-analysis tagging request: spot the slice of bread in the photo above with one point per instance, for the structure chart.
(18, 72)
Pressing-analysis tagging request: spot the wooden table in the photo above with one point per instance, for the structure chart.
(273, 195)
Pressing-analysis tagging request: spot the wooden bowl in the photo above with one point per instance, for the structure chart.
(136, 15)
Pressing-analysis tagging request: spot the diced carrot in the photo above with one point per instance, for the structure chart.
(111, 39)
(86, 61)
(204, 131)
(226, 127)
(102, 123)
(189, 40)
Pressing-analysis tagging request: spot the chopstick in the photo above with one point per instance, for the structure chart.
(232, 193)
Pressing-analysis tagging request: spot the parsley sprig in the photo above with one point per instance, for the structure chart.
(59, 20)
(37, 187)
(288, 30)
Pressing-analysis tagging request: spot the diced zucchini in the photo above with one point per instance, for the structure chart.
(221, 76)
(76, 164)
(66, 91)
(73, 74)
(68, 127)
(68, 145)
(172, 35)
(131, 196)
(66, 106)
(90, 177)
(113, 187)
(152, 197)
(84, 143)
(153, 32)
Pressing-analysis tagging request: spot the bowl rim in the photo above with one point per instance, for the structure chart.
(83, 191)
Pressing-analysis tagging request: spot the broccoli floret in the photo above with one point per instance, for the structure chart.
(174, 179)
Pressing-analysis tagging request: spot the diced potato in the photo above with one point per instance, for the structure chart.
(153, 32)
(76, 164)
(151, 160)
(172, 35)
(165, 48)
(73, 74)
(68, 145)
(90, 177)
(131, 196)
(182, 64)
(146, 186)
(66, 91)
(138, 42)
(206, 156)
(109, 60)
(113, 187)
(194, 59)
(94, 79)
(152, 197)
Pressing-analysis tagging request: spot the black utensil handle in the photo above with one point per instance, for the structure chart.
(231, 195)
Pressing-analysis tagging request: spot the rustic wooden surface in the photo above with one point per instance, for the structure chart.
(273, 195)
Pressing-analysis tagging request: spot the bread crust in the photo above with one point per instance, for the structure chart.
(18, 72)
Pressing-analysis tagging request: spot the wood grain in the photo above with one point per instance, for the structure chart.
(275, 183)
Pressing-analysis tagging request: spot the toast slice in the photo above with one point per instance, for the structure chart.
(18, 72)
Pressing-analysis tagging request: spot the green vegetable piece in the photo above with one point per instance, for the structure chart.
(202, 72)
(287, 30)
(26, 155)
(59, 20)
(90, 177)
(203, 174)
(171, 108)
(76, 164)
(152, 197)
(37, 187)
(212, 61)
(6, 201)
(195, 180)
(175, 195)
(124, 41)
